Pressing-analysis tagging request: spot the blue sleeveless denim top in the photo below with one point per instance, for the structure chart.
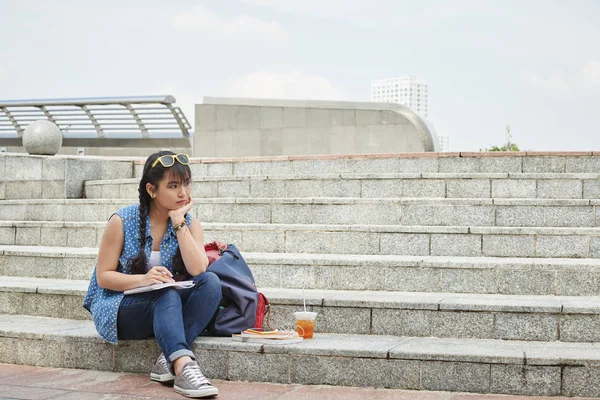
(103, 304)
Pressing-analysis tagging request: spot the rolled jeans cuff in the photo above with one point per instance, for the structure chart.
(181, 353)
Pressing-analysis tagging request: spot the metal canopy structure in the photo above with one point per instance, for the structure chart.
(145, 121)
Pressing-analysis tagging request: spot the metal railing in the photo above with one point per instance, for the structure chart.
(144, 121)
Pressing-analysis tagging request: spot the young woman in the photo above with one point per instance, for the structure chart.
(153, 242)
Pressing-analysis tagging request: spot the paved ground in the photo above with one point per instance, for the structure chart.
(24, 382)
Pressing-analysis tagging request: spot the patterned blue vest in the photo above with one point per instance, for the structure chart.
(103, 304)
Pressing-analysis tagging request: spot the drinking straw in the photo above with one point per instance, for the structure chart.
(303, 296)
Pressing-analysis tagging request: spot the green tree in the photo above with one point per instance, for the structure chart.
(508, 146)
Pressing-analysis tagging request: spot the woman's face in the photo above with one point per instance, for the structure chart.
(172, 193)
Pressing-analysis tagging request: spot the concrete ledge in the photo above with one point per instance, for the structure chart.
(395, 155)
(350, 360)
(217, 226)
(519, 276)
(323, 200)
(369, 176)
(372, 185)
(94, 168)
(27, 176)
(342, 211)
(494, 162)
(547, 318)
(342, 259)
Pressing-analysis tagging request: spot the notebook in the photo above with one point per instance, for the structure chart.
(158, 286)
(267, 337)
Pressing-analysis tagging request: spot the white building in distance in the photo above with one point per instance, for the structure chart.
(408, 91)
(444, 142)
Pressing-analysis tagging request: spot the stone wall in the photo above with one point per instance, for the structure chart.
(23, 176)
(229, 127)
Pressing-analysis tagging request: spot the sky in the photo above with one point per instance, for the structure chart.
(531, 64)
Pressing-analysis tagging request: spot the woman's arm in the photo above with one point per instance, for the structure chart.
(191, 241)
(191, 244)
(111, 247)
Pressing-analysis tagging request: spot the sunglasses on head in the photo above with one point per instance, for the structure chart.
(169, 160)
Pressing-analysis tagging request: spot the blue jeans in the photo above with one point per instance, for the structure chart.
(175, 317)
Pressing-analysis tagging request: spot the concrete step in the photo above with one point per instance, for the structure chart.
(343, 239)
(384, 185)
(63, 176)
(506, 317)
(23, 176)
(520, 276)
(547, 162)
(336, 211)
(462, 365)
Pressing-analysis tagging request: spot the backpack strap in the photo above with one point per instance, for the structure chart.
(268, 313)
(263, 310)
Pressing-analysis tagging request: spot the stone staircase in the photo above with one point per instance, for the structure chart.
(460, 272)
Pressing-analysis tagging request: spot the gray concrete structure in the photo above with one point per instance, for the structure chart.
(440, 271)
(238, 127)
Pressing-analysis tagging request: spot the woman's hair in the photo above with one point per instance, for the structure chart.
(153, 175)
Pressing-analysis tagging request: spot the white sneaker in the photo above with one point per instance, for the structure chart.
(192, 383)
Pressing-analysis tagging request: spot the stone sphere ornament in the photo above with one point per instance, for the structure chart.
(42, 138)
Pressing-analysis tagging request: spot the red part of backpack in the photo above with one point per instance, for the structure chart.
(214, 250)
(263, 308)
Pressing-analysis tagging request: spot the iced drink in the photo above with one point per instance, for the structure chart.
(305, 323)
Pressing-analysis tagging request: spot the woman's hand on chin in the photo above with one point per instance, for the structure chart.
(177, 216)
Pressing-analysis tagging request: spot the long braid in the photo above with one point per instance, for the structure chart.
(138, 264)
(180, 272)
